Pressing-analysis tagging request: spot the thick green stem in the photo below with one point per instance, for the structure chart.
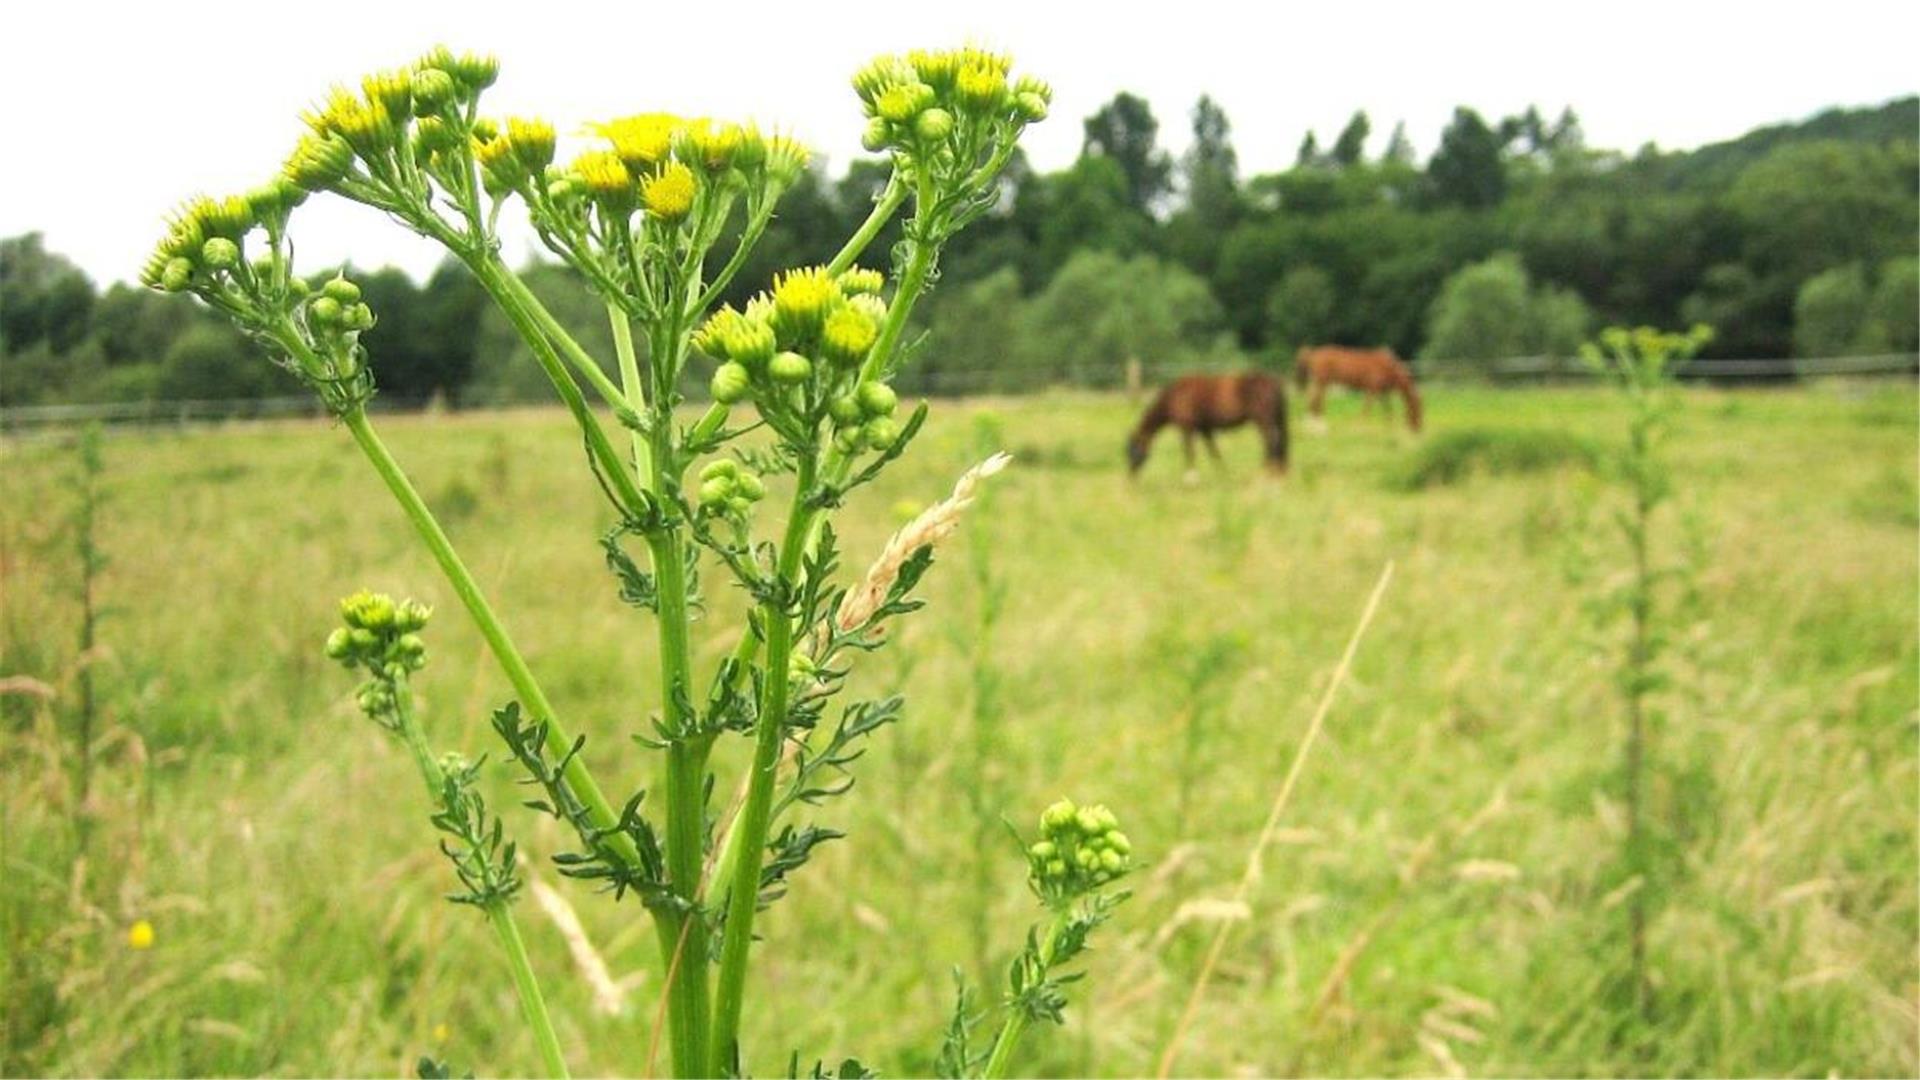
(756, 816)
(582, 361)
(531, 1002)
(635, 392)
(499, 283)
(559, 742)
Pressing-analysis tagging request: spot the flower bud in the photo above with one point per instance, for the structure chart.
(750, 487)
(220, 253)
(936, 69)
(933, 125)
(432, 88)
(877, 399)
(903, 101)
(878, 136)
(790, 368)
(726, 467)
(393, 90)
(847, 440)
(532, 141)
(339, 643)
(981, 87)
(476, 72)
(751, 342)
(176, 275)
(411, 616)
(1030, 107)
(880, 433)
(358, 317)
(860, 281)
(716, 491)
(319, 162)
(500, 167)
(845, 410)
(730, 383)
(231, 217)
(606, 178)
(342, 290)
(847, 336)
(325, 311)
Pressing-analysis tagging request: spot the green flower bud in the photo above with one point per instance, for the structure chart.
(878, 135)
(845, 410)
(877, 399)
(220, 253)
(342, 290)
(738, 505)
(933, 125)
(847, 440)
(750, 487)
(726, 467)
(325, 311)
(1118, 841)
(475, 72)
(432, 88)
(801, 300)
(860, 281)
(1030, 107)
(412, 616)
(1087, 821)
(716, 491)
(730, 383)
(298, 288)
(411, 645)
(790, 368)
(1056, 868)
(751, 343)
(1042, 850)
(358, 317)
(177, 275)
(880, 433)
(1057, 816)
(339, 643)
(362, 639)
(319, 162)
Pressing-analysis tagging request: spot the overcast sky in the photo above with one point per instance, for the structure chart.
(114, 114)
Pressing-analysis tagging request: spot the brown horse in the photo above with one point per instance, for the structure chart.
(1373, 372)
(1203, 404)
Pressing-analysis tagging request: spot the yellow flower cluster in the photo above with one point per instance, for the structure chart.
(912, 101)
(660, 162)
(372, 124)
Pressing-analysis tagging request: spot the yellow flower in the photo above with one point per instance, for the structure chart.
(712, 145)
(140, 936)
(392, 89)
(441, 1032)
(532, 141)
(668, 194)
(981, 86)
(860, 280)
(603, 174)
(847, 335)
(801, 299)
(641, 141)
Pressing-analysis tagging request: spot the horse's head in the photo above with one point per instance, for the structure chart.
(1136, 452)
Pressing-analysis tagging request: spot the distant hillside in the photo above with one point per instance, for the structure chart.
(1715, 165)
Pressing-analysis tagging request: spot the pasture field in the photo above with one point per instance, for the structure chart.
(1440, 899)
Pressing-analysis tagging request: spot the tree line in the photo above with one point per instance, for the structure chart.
(1513, 238)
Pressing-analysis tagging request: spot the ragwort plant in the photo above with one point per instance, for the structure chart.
(657, 216)
(1639, 364)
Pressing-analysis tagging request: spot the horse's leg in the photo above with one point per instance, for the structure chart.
(1213, 448)
(1186, 443)
(1316, 405)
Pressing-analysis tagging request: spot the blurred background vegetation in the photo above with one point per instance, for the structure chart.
(1513, 239)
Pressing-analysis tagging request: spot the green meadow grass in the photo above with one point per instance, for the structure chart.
(1437, 900)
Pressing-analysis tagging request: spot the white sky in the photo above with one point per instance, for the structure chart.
(114, 113)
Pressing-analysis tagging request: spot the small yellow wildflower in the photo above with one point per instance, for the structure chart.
(532, 141)
(441, 1032)
(603, 174)
(801, 299)
(140, 936)
(847, 335)
(668, 194)
(641, 141)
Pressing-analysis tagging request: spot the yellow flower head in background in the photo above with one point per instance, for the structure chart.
(641, 141)
(602, 174)
(140, 936)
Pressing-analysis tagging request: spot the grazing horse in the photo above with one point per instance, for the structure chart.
(1373, 372)
(1203, 404)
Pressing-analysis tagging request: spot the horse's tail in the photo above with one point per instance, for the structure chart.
(1412, 397)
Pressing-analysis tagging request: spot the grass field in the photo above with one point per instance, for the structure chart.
(1440, 899)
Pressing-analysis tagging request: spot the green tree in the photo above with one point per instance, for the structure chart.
(1467, 169)
(1399, 148)
(1211, 168)
(1102, 310)
(1893, 316)
(976, 346)
(1809, 206)
(1300, 310)
(1125, 132)
(1308, 154)
(214, 363)
(43, 297)
(1351, 147)
(1831, 311)
(1490, 311)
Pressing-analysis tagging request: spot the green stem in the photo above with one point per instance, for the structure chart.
(559, 742)
(582, 361)
(635, 396)
(688, 1001)
(1018, 1019)
(499, 915)
(756, 816)
(531, 1001)
(499, 283)
(883, 209)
